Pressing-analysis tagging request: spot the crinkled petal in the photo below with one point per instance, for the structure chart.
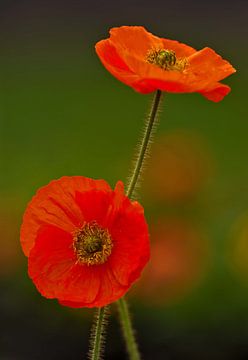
(181, 50)
(110, 288)
(109, 291)
(54, 204)
(217, 93)
(94, 205)
(99, 205)
(131, 249)
(114, 64)
(117, 67)
(53, 268)
(135, 40)
(173, 83)
(207, 65)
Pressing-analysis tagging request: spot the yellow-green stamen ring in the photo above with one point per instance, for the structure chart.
(92, 244)
(166, 59)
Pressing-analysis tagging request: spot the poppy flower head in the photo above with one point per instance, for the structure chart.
(86, 243)
(148, 63)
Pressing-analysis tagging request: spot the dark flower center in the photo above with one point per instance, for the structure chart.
(166, 59)
(92, 244)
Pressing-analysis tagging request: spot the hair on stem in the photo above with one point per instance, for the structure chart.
(98, 333)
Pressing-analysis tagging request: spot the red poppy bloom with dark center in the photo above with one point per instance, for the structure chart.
(86, 243)
(148, 63)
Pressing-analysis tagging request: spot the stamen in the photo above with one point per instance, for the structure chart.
(166, 59)
(92, 244)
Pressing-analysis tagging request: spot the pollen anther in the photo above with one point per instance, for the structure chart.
(92, 244)
(166, 59)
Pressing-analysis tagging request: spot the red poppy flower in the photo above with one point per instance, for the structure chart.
(86, 243)
(148, 63)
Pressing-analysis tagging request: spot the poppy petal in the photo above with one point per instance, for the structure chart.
(109, 290)
(209, 66)
(113, 63)
(94, 205)
(148, 74)
(217, 93)
(134, 39)
(130, 243)
(100, 206)
(53, 268)
(54, 204)
(173, 83)
(181, 50)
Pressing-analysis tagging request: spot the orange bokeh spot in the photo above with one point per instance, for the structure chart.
(180, 167)
(179, 258)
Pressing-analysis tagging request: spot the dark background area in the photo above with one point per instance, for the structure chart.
(62, 113)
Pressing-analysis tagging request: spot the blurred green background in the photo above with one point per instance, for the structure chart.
(62, 113)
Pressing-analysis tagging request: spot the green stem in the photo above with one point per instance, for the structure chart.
(128, 332)
(97, 334)
(145, 143)
(124, 314)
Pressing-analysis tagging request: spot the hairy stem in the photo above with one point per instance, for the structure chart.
(128, 332)
(124, 314)
(98, 334)
(144, 144)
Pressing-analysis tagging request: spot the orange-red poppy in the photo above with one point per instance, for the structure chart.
(148, 63)
(86, 243)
